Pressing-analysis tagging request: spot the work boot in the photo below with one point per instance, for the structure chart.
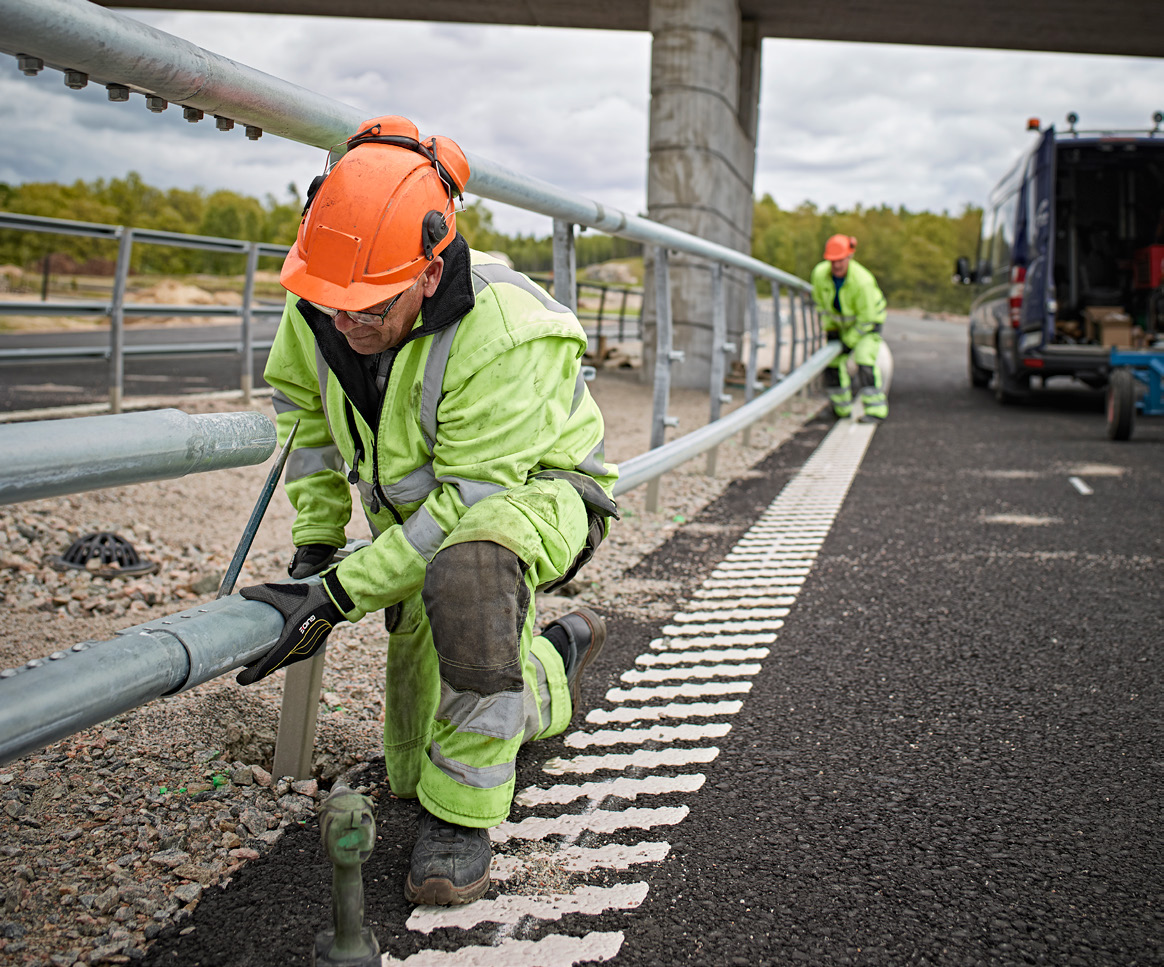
(870, 418)
(450, 863)
(578, 637)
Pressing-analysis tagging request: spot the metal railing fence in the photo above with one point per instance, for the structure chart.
(88, 42)
(117, 308)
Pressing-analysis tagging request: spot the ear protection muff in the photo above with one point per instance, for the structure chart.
(433, 231)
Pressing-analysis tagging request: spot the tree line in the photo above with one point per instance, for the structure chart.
(911, 253)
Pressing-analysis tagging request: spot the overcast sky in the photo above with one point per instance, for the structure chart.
(840, 124)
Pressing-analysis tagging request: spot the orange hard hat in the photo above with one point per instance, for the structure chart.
(377, 218)
(839, 247)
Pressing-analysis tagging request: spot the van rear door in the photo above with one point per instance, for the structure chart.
(1038, 310)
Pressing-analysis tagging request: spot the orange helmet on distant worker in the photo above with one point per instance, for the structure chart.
(376, 218)
(839, 247)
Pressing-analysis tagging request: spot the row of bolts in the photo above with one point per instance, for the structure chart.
(75, 80)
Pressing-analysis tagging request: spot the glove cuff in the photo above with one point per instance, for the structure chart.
(336, 592)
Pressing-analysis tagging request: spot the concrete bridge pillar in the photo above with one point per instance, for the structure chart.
(705, 92)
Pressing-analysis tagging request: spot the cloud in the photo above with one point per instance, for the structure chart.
(840, 124)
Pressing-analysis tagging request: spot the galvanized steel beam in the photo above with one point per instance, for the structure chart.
(50, 458)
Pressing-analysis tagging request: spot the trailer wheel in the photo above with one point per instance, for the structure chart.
(1121, 404)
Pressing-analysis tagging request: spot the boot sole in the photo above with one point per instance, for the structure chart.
(438, 891)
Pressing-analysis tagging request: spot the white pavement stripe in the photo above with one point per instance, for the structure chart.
(724, 627)
(714, 654)
(591, 900)
(750, 603)
(572, 825)
(622, 787)
(639, 759)
(701, 640)
(781, 594)
(752, 573)
(688, 673)
(652, 713)
(691, 690)
(579, 859)
(656, 733)
(729, 614)
(1079, 485)
(768, 583)
(555, 950)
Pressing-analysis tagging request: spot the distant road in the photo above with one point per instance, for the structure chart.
(27, 385)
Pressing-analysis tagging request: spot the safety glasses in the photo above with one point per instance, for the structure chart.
(364, 318)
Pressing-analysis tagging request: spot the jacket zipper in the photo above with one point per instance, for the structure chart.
(379, 498)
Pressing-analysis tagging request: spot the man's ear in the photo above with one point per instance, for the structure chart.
(432, 276)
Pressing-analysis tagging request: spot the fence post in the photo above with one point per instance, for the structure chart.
(565, 266)
(720, 348)
(295, 740)
(664, 357)
(248, 337)
(777, 326)
(117, 321)
(752, 308)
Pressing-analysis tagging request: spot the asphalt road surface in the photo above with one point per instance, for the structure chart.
(908, 711)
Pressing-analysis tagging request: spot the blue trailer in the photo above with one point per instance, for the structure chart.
(1134, 384)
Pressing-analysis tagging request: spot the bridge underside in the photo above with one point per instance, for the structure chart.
(1069, 26)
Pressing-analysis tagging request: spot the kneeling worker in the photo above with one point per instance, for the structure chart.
(447, 388)
(852, 309)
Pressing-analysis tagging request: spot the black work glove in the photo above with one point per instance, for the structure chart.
(310, 559)
(309, 615)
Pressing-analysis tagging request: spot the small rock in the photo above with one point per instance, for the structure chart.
(245, 853)
(262, 776)
(188, 893)
(306, 787)
(170, 858)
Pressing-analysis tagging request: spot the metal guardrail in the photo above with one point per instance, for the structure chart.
(88, 42)
(117, 308)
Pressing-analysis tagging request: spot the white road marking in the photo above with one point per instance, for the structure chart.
(715, 654)
(552, 951)
(656, 733)
(622, 787)
(687, 672)
(596, 821)
(640, 759)
(677, 691)
(1080, 486)
(582, 859)
(651, 713)
(591, 900)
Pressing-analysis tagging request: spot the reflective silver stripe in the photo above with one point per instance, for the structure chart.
(500, 716)
(282, 403)
(579, 392)
(424, 534)
(472, 491)
(305, 461)
(434, 381)
(537, 707)
(593, 464)
(479, 777)
(495, 272)
(413, 486)
(365, 489)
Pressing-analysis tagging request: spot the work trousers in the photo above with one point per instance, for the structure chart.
(869, 387)
(468, 680)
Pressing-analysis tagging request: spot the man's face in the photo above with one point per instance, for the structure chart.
(841, 267)
(398, 321)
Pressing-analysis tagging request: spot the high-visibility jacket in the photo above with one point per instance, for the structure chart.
(485, 393)
(862, 306)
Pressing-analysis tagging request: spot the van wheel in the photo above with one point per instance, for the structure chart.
(1008, 393)
(1121, 404)
(979, 377)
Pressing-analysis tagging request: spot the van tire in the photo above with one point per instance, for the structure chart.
(1006, 392)
(1121, 404)
(979, 377)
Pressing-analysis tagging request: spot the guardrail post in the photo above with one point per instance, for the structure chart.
(117, 321)
(664, 357)
(777, 326)
(248, 338)
(751, 384)
(295, 740)
(565, 265)
(720, 349)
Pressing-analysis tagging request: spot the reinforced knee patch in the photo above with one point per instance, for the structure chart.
(476, 599)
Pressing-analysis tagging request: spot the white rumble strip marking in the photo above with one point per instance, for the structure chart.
(711, 648)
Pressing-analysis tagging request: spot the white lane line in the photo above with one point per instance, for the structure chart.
(555, 950)
(730, 614)
(756, 602)
(591, 900)
(639, 759)
(622, 787)
(579, 859)
(687, 673)
(1080, 486)
(596, 821)
(724, 627)
(652, 713)
(783, 593)
(769, 582)
(714, 654)
(677, 691)
(656, 733)
(684, 638)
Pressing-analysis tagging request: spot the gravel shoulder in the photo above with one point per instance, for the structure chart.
(111, 835)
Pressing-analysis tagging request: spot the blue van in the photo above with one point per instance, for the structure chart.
(1070, 259)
